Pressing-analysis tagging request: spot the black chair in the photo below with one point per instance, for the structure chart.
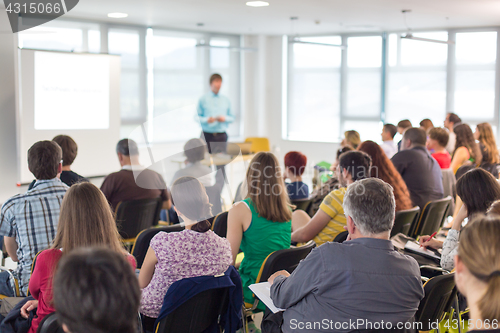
(196, 314)
(340, 238)
(141, 244)
(404, 220)
(440, 293)
(49, 324)
(303, 204)
(219, 226)
(432, 217)
(136, 215)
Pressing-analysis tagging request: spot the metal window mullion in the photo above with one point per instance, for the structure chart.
(451, 73)
(104, 38)
(343, 86)
(143, 72)
(497, 87)
(383, 76)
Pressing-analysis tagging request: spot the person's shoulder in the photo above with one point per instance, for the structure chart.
(49, 254)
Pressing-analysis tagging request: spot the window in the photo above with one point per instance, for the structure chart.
(314, 90)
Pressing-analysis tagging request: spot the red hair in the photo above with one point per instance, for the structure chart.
(383, 168)
(296, 162)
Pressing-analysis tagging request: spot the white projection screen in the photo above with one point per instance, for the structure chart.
(72, 94)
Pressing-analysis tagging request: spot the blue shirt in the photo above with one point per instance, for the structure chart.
(297, 190)
(32, 219)
(212, 105)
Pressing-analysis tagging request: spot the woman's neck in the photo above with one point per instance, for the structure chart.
(473, 297)
(66, 168)
(439, 149)
(294, 178)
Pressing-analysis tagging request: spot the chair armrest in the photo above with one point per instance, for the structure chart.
(434, 268)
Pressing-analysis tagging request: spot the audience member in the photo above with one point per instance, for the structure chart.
(318, 195)
(478, 190)
(86, 220)
(487, 144)
(363, 279)
(330, 220)
(388, 145)
(96, 291)
(195, 251)
(466, 151)
(261, 223)
(477, 273)
(195, 150)
(295, 165)
(494, 208)
(450, 122)
(419, 170)
(383, 168)
(436, 144)
(125, 186)
(426, 125)
(403, 125)
(351, 139)
(28, 221)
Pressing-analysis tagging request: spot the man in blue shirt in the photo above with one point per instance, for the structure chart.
(215, 115)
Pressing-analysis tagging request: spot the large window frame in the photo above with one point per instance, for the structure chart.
(451, 70)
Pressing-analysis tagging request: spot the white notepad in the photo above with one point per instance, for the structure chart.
(413, 247)
(263, 291)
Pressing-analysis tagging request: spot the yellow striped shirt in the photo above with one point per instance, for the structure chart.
(332, 205)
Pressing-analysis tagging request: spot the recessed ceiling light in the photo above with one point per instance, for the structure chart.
(117, 15)
(257, 3)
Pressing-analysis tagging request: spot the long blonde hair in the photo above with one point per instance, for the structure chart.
(487, 138)
(86, 220)
(479, 250)
(266, 188)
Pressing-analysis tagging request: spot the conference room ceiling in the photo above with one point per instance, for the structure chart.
(314, 16)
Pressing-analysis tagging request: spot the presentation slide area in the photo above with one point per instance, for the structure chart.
(71, 91)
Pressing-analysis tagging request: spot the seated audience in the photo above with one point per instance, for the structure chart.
(426, 125)
(403, 125)
(364, 278)
(467, 151)
(436, 144)
(477, 273)
(195, 150)
(388, 145)
(478, 190)
(261, 223)
(419, 170)
(295, 165)
(451, 121)
(494, 208)
(318, 195)
(195, 251)
(125, 186)
(487, 144)
(28, 221)
(351, 139)
(330, 220)
(382, 168)
(96, 291)
(86, 220)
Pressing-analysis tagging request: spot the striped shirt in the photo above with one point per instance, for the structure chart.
(332, 205)
(32, 219)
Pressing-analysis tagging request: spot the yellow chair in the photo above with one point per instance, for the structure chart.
(259, 144)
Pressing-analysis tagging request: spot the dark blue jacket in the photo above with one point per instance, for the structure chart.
(14, 323)
(181, 291)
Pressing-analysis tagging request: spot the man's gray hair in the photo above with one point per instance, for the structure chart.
(371, 205)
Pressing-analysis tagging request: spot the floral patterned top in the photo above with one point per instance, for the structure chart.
(450, 250)
(183, 255)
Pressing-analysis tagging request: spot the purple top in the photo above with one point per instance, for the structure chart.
(183, 255)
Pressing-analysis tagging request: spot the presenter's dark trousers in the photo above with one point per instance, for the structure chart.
(216, 142)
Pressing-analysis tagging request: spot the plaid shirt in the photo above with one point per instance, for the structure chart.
(32, 219)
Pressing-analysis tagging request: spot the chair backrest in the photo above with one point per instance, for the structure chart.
(432, 217)
(142, 241)
(439, 293)
(136, 215)
(49, 324)
(340, 238)
(450, 187)
(220, 224)
(404, 220)
(302, 204)
(196, 314)
(287, 259)
(259, 144)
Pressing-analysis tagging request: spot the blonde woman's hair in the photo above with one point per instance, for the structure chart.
(266, 188)
(86, 220)
(487, 138)
(479, 250)
(353, 138)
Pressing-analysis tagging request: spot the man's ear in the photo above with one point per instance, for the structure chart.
(351, 227)
(59, 168)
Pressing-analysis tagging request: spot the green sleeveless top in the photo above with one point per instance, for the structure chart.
(260, 239)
